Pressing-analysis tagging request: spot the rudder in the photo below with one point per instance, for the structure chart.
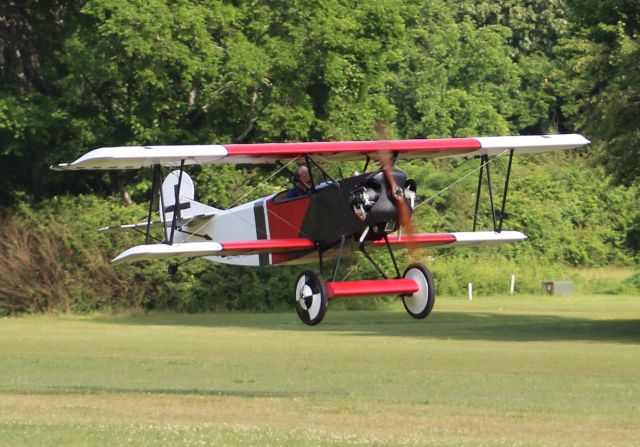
(186, 205)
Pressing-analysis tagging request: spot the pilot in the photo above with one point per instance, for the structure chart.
(301, 179)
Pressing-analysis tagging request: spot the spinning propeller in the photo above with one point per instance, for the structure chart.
(398, 194)
(403, 209)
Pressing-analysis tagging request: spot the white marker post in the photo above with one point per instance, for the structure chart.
(470, 292)
(512, 290)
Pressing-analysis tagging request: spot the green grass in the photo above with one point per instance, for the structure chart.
(495, 371)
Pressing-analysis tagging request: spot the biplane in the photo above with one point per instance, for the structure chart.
(331, 219)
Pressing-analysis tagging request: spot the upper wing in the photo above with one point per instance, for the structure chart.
(141, 156)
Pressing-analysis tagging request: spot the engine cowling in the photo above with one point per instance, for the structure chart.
(374, 202)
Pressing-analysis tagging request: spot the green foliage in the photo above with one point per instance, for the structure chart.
(455, 79)
(490, 273)
(633, 283)
(78, 75)
(53, 259)
(602, 60)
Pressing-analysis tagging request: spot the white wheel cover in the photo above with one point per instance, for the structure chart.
(304, 291)
(418, 301)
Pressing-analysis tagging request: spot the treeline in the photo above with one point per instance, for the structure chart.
(75, 75)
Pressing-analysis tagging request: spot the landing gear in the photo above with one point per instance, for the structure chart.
(310, 297)
(416, 288)
(420, 303)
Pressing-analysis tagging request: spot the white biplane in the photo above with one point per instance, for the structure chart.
(329, 218)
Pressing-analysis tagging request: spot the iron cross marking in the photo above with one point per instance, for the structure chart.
(181, 206)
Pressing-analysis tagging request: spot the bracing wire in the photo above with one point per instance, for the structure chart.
(472, 171)
(284, 166)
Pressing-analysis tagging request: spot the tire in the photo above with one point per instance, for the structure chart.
(310, 297)
(420, 303)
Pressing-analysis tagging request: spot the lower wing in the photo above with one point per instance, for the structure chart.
(304, 246)
(230, 248)
(440, 240)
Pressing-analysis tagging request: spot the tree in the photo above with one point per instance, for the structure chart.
(32, 34)
(536, 27)
(603, 58)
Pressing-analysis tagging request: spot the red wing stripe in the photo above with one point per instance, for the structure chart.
(376, 287)
(296, 149)
(423, 240)
(267, 246)
(460, 238)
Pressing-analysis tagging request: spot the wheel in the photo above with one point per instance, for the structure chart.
(310, 297)
(419, 304)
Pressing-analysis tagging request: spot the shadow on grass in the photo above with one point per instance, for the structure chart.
(53, 390)
(439, 325)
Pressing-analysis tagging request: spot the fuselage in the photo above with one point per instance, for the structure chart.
(324, 216)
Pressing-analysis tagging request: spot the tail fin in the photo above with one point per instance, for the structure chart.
(187, 207)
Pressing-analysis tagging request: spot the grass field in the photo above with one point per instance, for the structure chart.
(495, 371)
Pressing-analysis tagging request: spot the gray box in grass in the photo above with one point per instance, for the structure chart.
(557, 288)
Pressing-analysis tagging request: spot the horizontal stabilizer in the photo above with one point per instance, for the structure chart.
(142, 226)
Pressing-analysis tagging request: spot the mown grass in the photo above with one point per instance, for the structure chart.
(607, 280)
(495, 371)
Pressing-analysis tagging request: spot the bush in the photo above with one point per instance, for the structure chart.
(632, 284)
(490, 273)
(55, 260)
(52, 261)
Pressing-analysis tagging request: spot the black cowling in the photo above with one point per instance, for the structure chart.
(374, 198)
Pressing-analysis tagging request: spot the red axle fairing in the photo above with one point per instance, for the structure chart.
(375, 287)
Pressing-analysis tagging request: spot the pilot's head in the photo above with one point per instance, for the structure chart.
(301, 177)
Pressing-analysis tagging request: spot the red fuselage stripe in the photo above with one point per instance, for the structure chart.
(297, 149)
(376, 287)
(285, 221)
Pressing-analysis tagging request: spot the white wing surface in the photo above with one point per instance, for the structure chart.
(134, 157)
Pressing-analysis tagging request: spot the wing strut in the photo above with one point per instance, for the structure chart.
(154, 187)
(506, 188)
(325, 174)
(493, 208)
(497, 224)
(475, 213)
(366, 164)
(177, 201)
(307, 160)
(335, 270)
